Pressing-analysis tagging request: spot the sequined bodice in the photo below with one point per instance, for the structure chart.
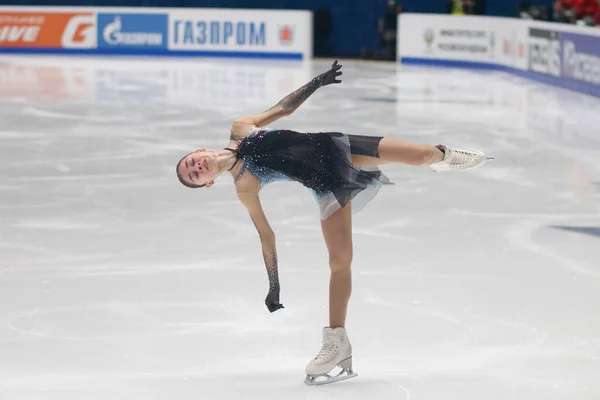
(312, 159)
(264, 175)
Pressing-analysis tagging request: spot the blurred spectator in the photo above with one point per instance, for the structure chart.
(461, 7)
(582, 12)
(480, 7)
(322, 25)
(526, 10)
(388, 26)
(563, 11)
(585, 11)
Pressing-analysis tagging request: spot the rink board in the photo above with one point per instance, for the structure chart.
(156, 31)
(563, 55)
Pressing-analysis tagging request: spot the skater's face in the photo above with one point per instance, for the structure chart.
(198, 169)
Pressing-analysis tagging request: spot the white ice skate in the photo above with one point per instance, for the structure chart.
(459, 159)
(336, 352)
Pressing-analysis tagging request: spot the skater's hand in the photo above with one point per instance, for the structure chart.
(329, 77)
(272, 301)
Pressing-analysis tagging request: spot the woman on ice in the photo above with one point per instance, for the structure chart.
(342, 172)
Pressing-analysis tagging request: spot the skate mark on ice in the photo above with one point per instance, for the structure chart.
(87, 177)
(554, 216)
(118, 320)
(415, 308)
(37, 112)
(34, 249)
(50, 224)
(403, 388)
(520, 236)
(586, 230)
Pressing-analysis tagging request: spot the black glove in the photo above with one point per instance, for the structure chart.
(272, 301)
(329, 77)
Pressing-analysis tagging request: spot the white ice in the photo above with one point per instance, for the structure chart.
(116, 282)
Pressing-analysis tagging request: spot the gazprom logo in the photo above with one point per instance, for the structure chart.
(114, 35)
(241, 33)
(132, 30)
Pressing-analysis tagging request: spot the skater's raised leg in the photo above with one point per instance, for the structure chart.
(389, 151)
(398, 151)
(439, 158)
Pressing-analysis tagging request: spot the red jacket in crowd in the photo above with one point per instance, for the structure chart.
(580, 7)
(585, 7)
(562, 4)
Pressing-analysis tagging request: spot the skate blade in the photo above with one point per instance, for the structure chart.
(312, 381)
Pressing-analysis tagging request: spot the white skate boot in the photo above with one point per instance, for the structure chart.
(457, 159)
(336, 352)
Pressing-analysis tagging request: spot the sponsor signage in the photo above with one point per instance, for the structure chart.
(133, 30)
(242, 32)
(445, 41)
(190, 32)
(564, 55)
(513, 48)
(158, 31)
(581, 58)
(47, 30)
(544, 51)
(440, 37)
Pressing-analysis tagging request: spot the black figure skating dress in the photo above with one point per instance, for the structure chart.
(321, 162)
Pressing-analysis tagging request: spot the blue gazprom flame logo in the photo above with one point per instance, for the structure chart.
(112, 31)
(113, 34)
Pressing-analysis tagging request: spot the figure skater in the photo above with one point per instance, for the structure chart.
(340, 170)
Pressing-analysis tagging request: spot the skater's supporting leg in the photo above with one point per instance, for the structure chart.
(336, 351)
(337, 231)
(392, 150)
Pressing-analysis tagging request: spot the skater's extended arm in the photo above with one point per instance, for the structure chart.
(269, 250)
(289, 103)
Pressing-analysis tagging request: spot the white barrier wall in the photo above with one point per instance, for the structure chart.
(560, 54)
(157, 31)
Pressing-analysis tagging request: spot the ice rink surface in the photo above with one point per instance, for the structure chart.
(116, 282)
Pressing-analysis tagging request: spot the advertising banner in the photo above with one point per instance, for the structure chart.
(581, 60)
(157, 31)
(52, 30)
(482, 40)
(279, 33)
(558, 54)
(440, 37)
(544, 51)
(133, 31)
(512, 49)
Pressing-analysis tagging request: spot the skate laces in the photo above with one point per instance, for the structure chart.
(462, 157)
(458, 159)
(330, 347)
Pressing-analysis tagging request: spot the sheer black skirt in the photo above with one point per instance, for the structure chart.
(362, 183)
